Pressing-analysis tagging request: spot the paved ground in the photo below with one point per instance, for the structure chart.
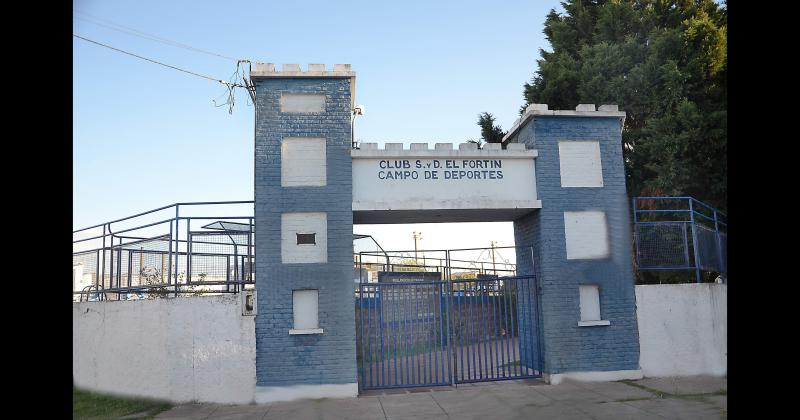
(665, 398)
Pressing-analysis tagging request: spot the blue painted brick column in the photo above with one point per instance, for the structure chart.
(328, 358)
(566, 346)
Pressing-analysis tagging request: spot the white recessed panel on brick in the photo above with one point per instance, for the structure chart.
(586, 235)
(590, 302)
(304, 223)
(303, 162)
(305, 309)
(302, 102)
(580, 164)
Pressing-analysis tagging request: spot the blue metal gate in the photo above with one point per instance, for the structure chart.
(428, 333)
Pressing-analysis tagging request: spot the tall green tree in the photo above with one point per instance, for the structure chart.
(665, 64)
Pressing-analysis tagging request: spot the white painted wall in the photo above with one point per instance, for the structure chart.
(197, 348)
(580, 164)
(304, 222)
(443, 178)
(683, 329)
(586, 234)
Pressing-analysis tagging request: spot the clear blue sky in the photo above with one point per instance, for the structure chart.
(146, 136)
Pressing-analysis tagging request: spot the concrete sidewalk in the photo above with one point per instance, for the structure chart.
(653, 398)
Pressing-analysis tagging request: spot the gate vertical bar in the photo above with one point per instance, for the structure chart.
(169, 251)
(505, 349)
(130, 266)
(405, 290)
(360, 320)
(177, 245)
(103, 265)
(188, 251)
(719, 242)
(369, 325)
(472, 349)
(96, 272)
(512, 332)
(437, 313)
(482, 338)
(394, 332)
(495, 314)
(694, 242)
(447, 288)
(250, 234)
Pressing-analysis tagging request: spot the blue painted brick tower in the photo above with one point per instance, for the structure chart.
(581, 243)
(305, 328)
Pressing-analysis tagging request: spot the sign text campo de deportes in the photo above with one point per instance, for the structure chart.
(402, 169)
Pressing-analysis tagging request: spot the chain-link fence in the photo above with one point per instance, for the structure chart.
(679, 233)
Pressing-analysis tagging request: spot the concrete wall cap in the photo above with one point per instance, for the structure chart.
(585, 107)
(444, 146)
(467, 146)
(419, 146)
(608, 108)
(393, 146)
(492, 146)
(537, 107)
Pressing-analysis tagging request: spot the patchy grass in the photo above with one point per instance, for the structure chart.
(92, 406)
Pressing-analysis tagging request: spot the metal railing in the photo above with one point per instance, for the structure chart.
(680, 233)
(467, 263)
(183, 248)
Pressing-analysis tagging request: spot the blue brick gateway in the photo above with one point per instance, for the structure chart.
(349, 192)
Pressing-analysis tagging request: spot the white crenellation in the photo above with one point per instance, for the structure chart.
(442, 150)
(294, 70)
(582, 110)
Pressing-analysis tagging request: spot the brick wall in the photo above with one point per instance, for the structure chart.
(567, 347)
(328, 358)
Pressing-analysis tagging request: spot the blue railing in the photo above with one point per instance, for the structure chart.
(679, 233)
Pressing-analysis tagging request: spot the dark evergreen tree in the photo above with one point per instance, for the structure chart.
(665, 64)
(490, 133)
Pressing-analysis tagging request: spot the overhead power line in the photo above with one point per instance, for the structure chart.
(229, 84)
(135, 32)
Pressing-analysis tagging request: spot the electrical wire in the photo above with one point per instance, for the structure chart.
(230, 85)
(135, 32)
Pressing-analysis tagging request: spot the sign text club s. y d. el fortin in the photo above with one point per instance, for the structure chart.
(434, 169)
